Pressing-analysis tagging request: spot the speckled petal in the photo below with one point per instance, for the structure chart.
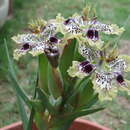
(106, 28)
(27, 38)
(37, 49)
(74, 25)
(127, 61)
(88, 53)
(118, 65)
(19, 53)
(49, 30)
(103, 85)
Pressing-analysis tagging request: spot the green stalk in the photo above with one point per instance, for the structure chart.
(40, 122)
(58, 79)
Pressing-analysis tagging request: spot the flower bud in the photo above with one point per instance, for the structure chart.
(52, 55)
(120, 79)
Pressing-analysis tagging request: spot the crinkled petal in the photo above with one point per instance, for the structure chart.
(49, 30)
(37, 49)
(104, 94)
(96, 44)
(78, 20)
(116, 30)
(106, 28)
(88, 53)
(27, 38)
(118, 65)
(72, 36)
(103, 85)
(74, 29)
(19, 53)
(127, 61)
(75, 24)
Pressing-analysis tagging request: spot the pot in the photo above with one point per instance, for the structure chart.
(78, 124)
(4, 7)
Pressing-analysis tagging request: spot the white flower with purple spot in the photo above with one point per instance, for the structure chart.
(35, 44)
(81, 69)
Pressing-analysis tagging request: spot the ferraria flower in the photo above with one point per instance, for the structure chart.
(93, 30)
(43, 34)
(36, 42)
(105, 28)
(106, 69)
(31, 43)
(107, 74)
(81, 69)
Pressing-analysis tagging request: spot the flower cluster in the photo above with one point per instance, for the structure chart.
(107, 68)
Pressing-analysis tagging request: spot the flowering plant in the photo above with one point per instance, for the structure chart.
(76, 68)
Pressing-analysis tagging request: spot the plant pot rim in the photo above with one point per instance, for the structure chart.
(78, 123)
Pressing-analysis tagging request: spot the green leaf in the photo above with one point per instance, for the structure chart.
(66, 61)
(19, 91)
(63, 119)
(85, 93)
(30, 121)
(21, 96)
(59, 35)
(77, 88)
(40, 122)
(43, 68)
(13, 79)
(22, 111)
(77, 55)
(45, 101)
(37, 105)
(84, 112)
(93, 100)
(31, 117)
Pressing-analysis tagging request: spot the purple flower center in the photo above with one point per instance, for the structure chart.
(67, 21)
(120, 79)
(87, 68)
(53, 39)
(84, 63)
(93, 34)
(90, 34)
(26, 46)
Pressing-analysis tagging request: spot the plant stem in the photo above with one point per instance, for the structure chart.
(58, 79)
